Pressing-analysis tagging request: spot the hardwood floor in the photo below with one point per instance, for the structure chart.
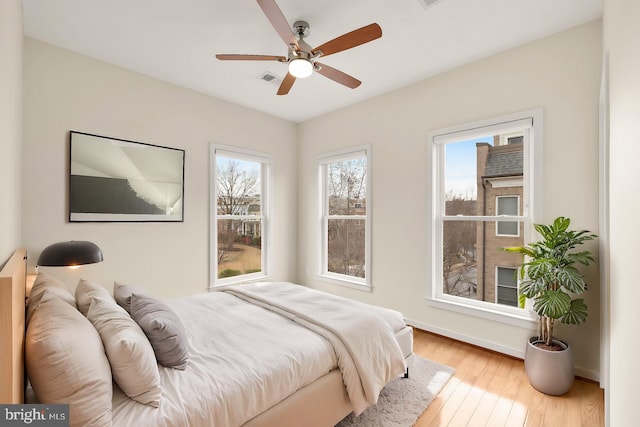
(491, 389)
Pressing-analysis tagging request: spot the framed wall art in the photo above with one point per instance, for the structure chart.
(115, 180)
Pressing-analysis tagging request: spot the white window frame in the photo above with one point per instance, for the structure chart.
(323, 160)
(531, 122)
(498, 285)
(511, 196)
(265, 197)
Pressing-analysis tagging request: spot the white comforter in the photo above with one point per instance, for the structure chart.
(238, 367)
(362, 335)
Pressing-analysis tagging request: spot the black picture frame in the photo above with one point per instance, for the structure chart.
(117, 180)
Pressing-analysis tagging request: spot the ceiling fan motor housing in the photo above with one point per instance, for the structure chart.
(301, 29)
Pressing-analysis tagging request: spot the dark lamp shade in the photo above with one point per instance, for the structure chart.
(65, 254)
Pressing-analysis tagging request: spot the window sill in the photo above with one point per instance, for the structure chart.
(526, 320)
(238, 280)
(339, 281)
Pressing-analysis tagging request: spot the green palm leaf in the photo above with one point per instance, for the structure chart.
(571, 279)
(553, 304)
(578, 312)
(540, 267)
(531, 288)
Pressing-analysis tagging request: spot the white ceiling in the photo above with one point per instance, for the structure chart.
(176, 40)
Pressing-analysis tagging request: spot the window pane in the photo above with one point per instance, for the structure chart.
(239, 213)
(471, 254)
(459, 258)
(507, 296)
(346, 247)
(238, 187)
(239, 247)
(515, 139)
(347, 190)
(507, 205)
(507, 286)
(507, 228)
(458, 205)
(461, 177)
(508, 277)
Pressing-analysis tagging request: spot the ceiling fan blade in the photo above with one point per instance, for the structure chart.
(338, 76)
(279, 22)
(240, 57)
(286, 84)
(347, 41)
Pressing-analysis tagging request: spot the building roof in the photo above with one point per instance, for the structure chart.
(504, 162)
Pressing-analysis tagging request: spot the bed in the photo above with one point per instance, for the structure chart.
(239, 372)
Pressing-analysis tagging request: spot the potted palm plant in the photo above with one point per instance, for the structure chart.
(552, 281)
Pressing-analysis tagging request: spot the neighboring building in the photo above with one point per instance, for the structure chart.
(244, 208)
(252, 227)
(499, 192)
(344, 206)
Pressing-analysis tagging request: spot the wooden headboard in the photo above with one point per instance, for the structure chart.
(12, 302)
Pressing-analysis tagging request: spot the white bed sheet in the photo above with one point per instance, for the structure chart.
(237, 367)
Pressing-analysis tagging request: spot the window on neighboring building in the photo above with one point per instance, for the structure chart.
(507, 206)
(515, 139)
(483, 201)
(239, 212)
(345, 217)
(507, 281)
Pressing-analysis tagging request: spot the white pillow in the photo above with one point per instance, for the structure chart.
(85, 291)
(133, 363)
(47, 283)
(66, 363)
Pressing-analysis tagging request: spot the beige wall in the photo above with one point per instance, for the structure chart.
(622, 42)
(10, 125)
(560, 74)
(66, 91)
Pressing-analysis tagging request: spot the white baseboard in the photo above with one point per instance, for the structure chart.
(519, 353)
(514, 352)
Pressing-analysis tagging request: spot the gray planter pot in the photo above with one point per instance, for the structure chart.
(550, 372)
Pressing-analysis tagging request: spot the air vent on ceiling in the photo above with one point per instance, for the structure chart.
(270, 78)
(428, 3)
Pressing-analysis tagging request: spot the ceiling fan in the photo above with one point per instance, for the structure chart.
(302, 58)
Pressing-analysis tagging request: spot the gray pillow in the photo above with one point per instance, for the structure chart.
(164, 329)
(122, 294)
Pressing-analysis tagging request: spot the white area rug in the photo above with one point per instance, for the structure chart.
(403, 400)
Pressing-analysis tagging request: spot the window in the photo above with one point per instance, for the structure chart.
(507, 280)
(239, 212)
(507, 206)
(345, 218)
(515, 139)
(484, 200)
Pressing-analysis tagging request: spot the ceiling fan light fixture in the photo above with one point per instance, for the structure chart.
(300, 68)
(301, 57)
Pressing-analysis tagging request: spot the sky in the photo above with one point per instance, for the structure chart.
(460, 167)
